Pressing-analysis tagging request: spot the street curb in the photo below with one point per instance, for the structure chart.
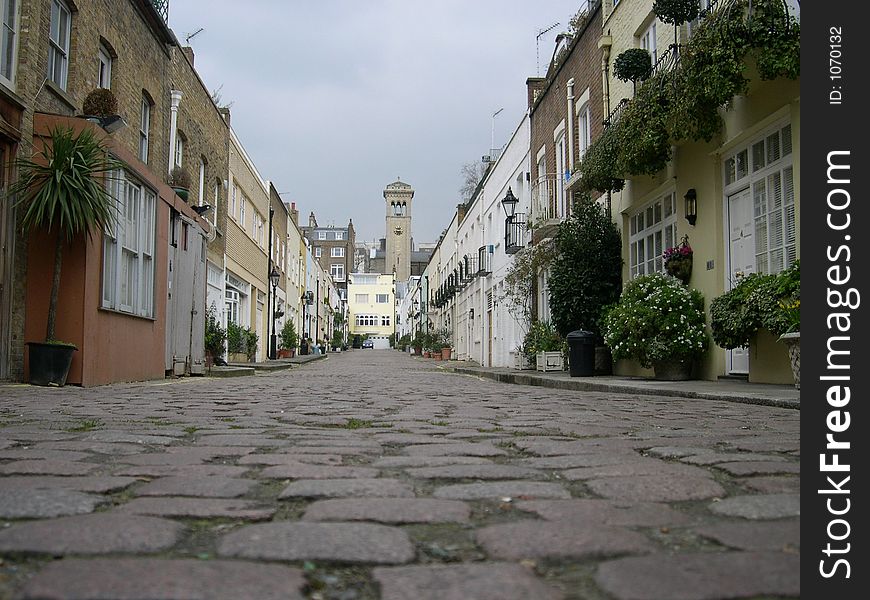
(593, 386)
(230, 371)
(243, 369)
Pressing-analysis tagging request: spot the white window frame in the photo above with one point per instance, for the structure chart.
(179, 149)
(584, 129)
(60, 27)
(242, 205)
(648, 41)
(201, 194)
(337, 271)
(234, 199)
(8, 41)
(128, 248)
(321, 235)
(339, 235)
(318, 251)
(652, 230)
(104, 67)
(765, 165)
(385, 320)
(144, 129)
(382, 298)
(336, 252)
(361, 298)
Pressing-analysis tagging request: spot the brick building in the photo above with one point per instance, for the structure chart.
(567, 109)
(58, 53)
(333, 248)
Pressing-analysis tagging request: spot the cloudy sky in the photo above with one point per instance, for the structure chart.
(334, 99)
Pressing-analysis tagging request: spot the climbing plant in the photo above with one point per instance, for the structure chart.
(684, 103)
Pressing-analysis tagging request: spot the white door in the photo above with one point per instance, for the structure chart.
(741, 260)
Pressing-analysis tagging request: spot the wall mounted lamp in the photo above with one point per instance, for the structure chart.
(691, 198)
(509, 203)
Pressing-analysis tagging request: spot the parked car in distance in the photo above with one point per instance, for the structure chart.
(368, 344)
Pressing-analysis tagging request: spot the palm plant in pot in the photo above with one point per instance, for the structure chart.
(63, 191)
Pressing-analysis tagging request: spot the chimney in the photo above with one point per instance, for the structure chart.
(461, 209)
(312, 220)
(294, 214)
(535, 86)
(188, 52)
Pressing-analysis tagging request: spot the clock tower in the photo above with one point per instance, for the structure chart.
(397, 197)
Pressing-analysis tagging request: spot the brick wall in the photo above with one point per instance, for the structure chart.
(583, 64)
(206, 129)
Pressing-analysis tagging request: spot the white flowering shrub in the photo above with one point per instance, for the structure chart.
(657, 318)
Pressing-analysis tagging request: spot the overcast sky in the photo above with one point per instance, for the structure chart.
(334, 99)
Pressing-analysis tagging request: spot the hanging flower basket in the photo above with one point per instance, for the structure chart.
(678, 261)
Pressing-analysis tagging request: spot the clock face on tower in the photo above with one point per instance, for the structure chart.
(397, 231)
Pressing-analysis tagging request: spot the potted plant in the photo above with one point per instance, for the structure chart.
(678, 260)
(215, 337)
(251, 339)
(63, 191)
(543, 346)
(236, 343)
(288, 339)
(100, 102)
(337, 340)
(417, 343)
(445, 338)
(660, 323)
(179, 180)
(759, 301)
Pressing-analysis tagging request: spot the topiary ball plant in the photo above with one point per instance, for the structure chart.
(635, 64)
(100, 102)
(676, 12)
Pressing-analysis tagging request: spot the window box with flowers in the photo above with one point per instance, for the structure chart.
(678, 260)
(544, 347)
(660, 323)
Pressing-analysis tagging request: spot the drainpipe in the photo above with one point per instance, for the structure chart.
(571, 125)
(605, 44)
(175, 100)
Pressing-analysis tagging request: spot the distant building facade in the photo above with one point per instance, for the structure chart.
(334, 248)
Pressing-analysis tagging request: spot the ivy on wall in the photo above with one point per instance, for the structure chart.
(683, 103)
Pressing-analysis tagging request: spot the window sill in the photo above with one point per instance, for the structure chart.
(115, 311)
(61, 94)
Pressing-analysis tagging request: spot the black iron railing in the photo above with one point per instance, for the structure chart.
(514, 233)
(162, 8)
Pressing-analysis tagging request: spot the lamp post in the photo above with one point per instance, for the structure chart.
(270, 269)
(274, 276)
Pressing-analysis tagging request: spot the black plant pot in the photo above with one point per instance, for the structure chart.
(49, 363)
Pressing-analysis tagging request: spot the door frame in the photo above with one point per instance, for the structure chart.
(729, 358)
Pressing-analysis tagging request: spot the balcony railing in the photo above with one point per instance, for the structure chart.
(548, 198)
(514, 233)
(469, 271)
(162, 8)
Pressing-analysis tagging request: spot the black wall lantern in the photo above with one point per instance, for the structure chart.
(509, 203)
(691, 198)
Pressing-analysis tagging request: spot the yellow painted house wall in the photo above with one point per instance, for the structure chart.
(698, 165)
(384, 285)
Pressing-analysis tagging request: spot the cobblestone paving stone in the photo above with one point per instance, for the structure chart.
(373, 475)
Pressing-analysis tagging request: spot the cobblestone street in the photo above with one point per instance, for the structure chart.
(372, 474)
